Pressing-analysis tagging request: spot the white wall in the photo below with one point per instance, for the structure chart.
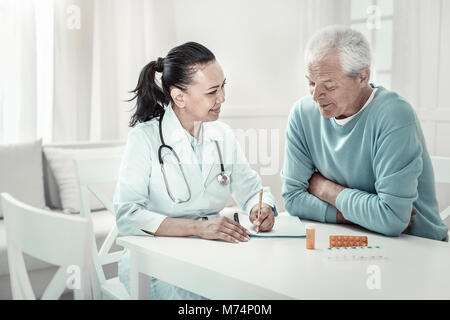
(421, 69)
(264, 146)
(259, 43)
(256, 43)
(260, 46)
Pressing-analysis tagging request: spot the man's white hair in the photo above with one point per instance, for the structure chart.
(351, 46)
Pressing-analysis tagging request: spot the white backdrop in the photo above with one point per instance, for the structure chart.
(260, 46)
(68, 65)
(73, 62)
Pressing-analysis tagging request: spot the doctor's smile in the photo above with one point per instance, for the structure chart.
(216, 110)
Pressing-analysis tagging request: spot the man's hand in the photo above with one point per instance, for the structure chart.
(340, 218)
(266, 219)
(411, 220)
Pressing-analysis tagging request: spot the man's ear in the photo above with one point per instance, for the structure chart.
(178, 97)
(364, 77)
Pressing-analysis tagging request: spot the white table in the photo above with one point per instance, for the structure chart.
(412, 267)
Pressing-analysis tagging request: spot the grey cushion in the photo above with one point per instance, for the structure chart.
(62, 164)
(52, 191)
(21, 172)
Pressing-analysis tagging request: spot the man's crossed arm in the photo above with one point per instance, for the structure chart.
(327, 190)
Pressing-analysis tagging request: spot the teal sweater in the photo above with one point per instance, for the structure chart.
(379, 155)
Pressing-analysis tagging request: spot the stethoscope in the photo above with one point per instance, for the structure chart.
(222, 177)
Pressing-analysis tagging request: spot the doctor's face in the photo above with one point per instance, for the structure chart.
(336, 94)
(205, 95)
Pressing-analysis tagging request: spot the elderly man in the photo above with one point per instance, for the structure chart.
(355, 152)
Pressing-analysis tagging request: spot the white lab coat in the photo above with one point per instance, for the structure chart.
(141, 201)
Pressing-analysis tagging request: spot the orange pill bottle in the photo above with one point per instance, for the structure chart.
(310, 236)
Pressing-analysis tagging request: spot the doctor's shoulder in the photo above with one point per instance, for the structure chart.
(144, 133)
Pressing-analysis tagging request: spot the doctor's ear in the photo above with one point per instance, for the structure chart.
(178, 97)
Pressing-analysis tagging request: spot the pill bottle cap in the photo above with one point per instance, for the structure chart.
(310, 226)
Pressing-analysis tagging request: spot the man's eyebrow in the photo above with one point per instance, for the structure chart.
(328, 80)
(215, 87)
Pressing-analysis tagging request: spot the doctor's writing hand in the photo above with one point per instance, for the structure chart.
(222, 228)
(266, 219)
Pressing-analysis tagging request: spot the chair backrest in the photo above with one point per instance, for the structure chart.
(91, 173)
(441, 167)
(56, 238)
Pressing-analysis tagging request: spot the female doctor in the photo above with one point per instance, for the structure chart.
(180, 164)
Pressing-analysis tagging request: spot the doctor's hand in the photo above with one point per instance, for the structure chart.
(266, 219)
(222, 228)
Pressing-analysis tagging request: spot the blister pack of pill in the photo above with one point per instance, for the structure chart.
(348, 241)
(362, 253)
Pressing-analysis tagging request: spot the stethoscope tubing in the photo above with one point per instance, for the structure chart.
(222, 178)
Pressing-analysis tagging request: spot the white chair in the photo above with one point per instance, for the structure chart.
(441, 167)
(55, 238)
(90, 174)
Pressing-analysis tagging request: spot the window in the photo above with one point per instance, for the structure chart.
(373, 18)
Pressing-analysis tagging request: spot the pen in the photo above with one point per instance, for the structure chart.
(236, 217)
(259, 208)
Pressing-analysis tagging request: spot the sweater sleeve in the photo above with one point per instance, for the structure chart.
(397, 164)
(297, 170)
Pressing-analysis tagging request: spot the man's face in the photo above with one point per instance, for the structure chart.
(336, 94)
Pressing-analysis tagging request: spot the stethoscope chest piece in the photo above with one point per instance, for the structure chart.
(223, 179)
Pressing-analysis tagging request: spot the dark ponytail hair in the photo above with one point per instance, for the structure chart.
(177, 70)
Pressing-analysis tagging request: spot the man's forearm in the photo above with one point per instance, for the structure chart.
(327, 190)
(330, 192)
